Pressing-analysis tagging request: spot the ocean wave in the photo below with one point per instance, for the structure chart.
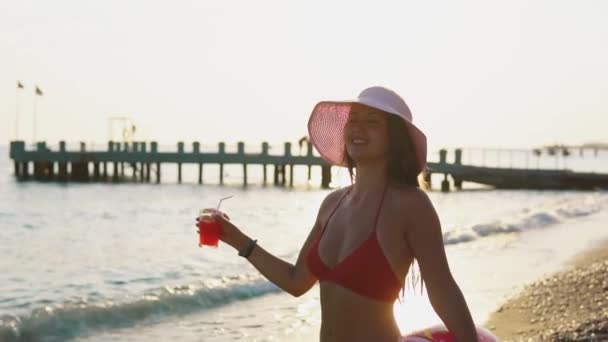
(66, 321)
(531, 218)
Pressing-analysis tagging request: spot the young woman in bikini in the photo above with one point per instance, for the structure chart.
(367, 235)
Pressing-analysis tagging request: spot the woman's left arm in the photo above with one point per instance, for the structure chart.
(423, 233)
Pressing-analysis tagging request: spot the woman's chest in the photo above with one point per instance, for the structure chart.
(351, 228)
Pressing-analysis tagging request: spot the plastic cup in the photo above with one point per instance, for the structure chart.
(209, 231)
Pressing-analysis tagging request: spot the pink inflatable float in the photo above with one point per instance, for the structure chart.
(439, 333)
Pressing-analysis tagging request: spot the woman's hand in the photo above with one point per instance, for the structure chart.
(230, 234)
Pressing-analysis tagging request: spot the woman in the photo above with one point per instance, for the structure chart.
(367, 235)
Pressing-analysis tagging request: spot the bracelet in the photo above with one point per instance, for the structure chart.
(246, 252)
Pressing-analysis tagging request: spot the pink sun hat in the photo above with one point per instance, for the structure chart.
(328, 119)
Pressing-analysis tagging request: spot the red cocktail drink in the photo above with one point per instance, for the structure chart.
(209, 232)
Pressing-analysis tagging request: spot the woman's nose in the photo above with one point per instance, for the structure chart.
(356, 129)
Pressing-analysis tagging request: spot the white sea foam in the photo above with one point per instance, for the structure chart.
(530, 218)
(59, 322)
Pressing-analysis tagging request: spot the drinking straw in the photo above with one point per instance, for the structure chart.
(220, 203)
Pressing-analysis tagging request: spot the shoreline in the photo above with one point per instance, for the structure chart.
(569, 305)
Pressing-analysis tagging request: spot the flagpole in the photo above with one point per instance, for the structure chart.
(34, 123)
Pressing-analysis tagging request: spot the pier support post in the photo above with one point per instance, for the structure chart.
(222, 151)
(39, 167)
(291, 175)
(264, 166)
(105, 163)
(264, 171)
(148, 172)
(154, 150)
(85, 171)
(63, 171)
(142, 172)
(80, 171)
(115, 173)
(287, 154)
(325, 176)
(276, 174)
(244, 174)
(445, 184)
(157, 172)
(26, 170)
(196, 149)
(221, 173)
(96, 171)
(134, 164)
(37, 170)
(51, 170)
(17, 148)
(142, 165)
(241, 152)
(125, 148)
(309, 172)
(180, 151)
(458, 183)
(283, 174)
(134, 167)
(309, 149)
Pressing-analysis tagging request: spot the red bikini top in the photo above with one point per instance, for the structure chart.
(365, 271)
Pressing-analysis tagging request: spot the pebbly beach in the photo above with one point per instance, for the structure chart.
(570, 305)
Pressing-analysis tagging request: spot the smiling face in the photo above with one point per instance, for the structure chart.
(366, 134)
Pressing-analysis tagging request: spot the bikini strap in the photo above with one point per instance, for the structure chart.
(332, 213)
(380, 207)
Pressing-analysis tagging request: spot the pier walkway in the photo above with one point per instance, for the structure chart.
(144, 160)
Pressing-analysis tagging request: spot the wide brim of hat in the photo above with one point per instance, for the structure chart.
(326, 126)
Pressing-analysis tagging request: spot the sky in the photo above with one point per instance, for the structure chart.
(505, 74)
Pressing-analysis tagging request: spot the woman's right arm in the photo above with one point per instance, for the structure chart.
(294, 279)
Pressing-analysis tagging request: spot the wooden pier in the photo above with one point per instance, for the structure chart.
(515, 178)
(143, 162)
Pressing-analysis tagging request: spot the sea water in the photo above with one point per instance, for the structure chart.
(97, 262)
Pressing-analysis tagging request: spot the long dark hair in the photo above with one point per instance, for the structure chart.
(401, 169)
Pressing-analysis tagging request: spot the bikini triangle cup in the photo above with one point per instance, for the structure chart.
(365, 271)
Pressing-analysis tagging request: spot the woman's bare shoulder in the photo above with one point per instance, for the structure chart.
(408, 199)
(333, 197)
(409, 193)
